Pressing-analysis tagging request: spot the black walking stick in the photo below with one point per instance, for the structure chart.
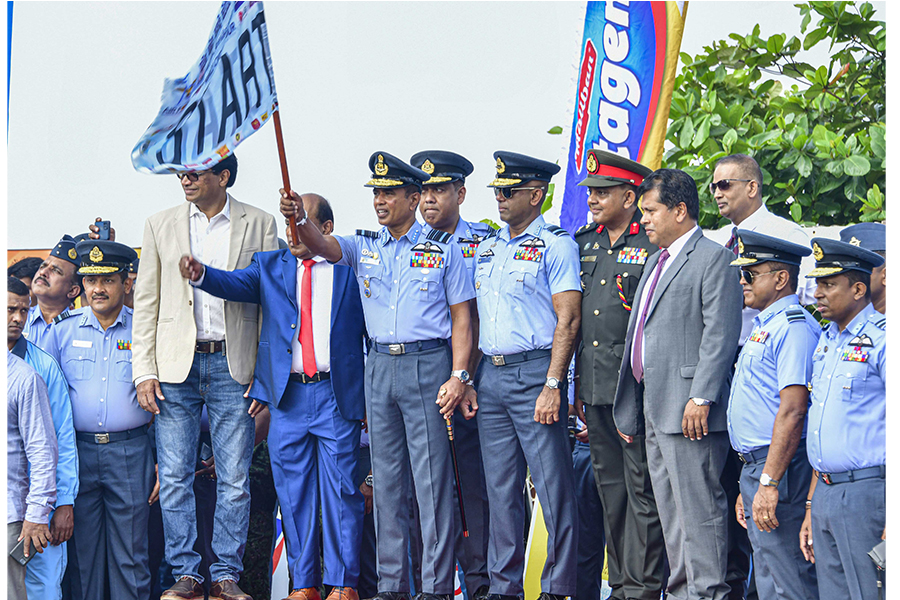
(462, 507)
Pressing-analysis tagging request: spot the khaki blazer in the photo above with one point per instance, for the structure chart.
(164, 332)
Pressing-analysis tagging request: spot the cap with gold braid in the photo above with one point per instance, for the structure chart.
(442, 166)
(100, 257)
(513, 169)
(388, 171)
(834, 257)
(607, 169)
(65, 250)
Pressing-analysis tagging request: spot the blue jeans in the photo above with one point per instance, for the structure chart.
(232, 433)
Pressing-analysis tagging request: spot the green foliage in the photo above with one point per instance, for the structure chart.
(820, 143)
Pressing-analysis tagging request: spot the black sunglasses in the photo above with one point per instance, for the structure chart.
(724, 184)
(508, 192)
(749, 276)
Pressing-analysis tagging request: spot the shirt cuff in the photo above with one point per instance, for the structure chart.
(36, 513)
(144, 378)
(64, 500)
(199, 282)
(703, 400)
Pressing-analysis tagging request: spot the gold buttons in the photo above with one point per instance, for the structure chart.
(602, 282)
(609, 251)
(596, 343)
(596, 312)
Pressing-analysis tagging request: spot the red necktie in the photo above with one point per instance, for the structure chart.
(306, 332)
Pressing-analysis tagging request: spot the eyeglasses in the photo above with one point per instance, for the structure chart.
(724, 184)
(749, 276)
(508, 192)
(192, 176)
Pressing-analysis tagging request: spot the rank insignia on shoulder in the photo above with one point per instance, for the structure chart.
(584, 229)
(439, 236)
(556, 230)
(862, 341)
(632, 256)
(528, 253)
(881, 324)
(855, 354)
(534, 242)
(123, 344)
(62, 316)
(795, 314)
(428, 247)
(759, 336)
(367, 233)
(634, 229)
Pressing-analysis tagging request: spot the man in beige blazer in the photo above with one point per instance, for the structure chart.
(191, 349)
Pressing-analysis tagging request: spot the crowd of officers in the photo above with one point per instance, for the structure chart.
(711, 398)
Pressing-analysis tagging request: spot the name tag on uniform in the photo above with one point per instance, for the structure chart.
(632, 256)
(855, 354)
(82, 343)
(591, 258)
(759, 336)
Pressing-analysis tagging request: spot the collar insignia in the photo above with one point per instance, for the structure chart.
(635, 228)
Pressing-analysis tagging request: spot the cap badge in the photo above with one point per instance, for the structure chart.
(381, 169)
(501, 168)
(855, 242)
(592, 163)
(96, 255)
(817, 252)
(428, 166)
(72, 254)
(740, 246)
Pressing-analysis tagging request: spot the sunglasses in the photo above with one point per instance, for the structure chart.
(508, 192)
(749, 276)
(724, 184)
(192, 176)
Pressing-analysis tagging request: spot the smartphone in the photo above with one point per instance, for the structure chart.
(103, 226)
(205, 452)
(18, 553)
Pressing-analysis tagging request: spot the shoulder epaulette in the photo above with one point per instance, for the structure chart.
(436, 235)
(556, 230)
(585, 229)
(63, 316)
(881, 324)
(491, 232)
(367, 233)
(795, 314)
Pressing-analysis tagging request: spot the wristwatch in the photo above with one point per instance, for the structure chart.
(701, 402)
(552, 383)
(767, 481)
(303, 220)
(462, 375)
(370, 480)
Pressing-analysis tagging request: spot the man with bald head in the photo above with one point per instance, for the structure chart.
(313, 327)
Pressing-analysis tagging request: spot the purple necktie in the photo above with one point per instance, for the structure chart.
(733, 242)
(637, 363)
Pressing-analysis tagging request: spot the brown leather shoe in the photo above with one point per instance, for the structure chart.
(226, 589)
(184, 589)
(343, 593)
(309, 593)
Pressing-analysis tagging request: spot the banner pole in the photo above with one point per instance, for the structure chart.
(286, 180)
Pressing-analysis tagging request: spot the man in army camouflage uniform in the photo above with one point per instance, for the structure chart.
(613, 249)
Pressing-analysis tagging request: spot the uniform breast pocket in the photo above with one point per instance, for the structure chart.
(371, 280)
(78, 363)
(629, 281)
(524, 274)
(123, 365)
(482, 277)
(587, 276)
(427, 285)
(852, 378)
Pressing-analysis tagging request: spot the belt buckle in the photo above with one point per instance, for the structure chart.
(395, 349)
(826, 477)
(498, 361)
(101, 438)
(743, 460)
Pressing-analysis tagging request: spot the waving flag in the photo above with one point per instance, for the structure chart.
(627, 70)
(225, 97)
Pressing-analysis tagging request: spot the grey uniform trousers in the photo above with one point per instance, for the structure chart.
(510, 438)
(634, 538)
(406, 430)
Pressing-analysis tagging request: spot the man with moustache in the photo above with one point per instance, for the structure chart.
(674, 378)
(442, 195)
(872, 237)
(529, 308)
(846, 444)
(415, 294)
(45, 571)
(767, 414)
(614, 249)
(314, 394)
(25, 270)
(93, 347)
(55, 285)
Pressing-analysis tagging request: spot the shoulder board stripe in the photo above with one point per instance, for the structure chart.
(556, 230)
(367, 233)
(795, 314)
(439, 236)
(491, 232)
(62, 316)
(881, 324)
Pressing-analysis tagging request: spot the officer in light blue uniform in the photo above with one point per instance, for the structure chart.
(37, 326)
(846, 440)
(767, 414)
(93, 347)
(529, 296)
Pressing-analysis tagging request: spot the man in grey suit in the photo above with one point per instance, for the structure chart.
(679, 349)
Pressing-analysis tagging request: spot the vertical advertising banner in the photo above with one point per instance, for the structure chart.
(628, 62)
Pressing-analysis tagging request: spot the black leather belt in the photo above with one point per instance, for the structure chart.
(500, 360)
(210, 347)
(857, 475)
(316, 378)
(408, 347)
(115, 436)
(758, 455)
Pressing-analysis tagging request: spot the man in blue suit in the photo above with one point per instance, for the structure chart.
(309, 373)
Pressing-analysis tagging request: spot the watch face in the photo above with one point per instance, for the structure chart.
(552, 383)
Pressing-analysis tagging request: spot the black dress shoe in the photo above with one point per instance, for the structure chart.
(546, 596)
(482, 592)
(502, 597)
(390, 596)
(427, 596)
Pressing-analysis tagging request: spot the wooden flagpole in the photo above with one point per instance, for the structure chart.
(286, 180)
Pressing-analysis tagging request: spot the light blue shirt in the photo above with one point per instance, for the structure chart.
(777, 354)
(468, 236)
(36, 328)
(847, 414)
(61, 412)
(407, 285)
(515, 281)
(97, 365)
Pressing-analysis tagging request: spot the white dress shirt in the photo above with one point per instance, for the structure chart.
(210, 239)
(322, 291)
